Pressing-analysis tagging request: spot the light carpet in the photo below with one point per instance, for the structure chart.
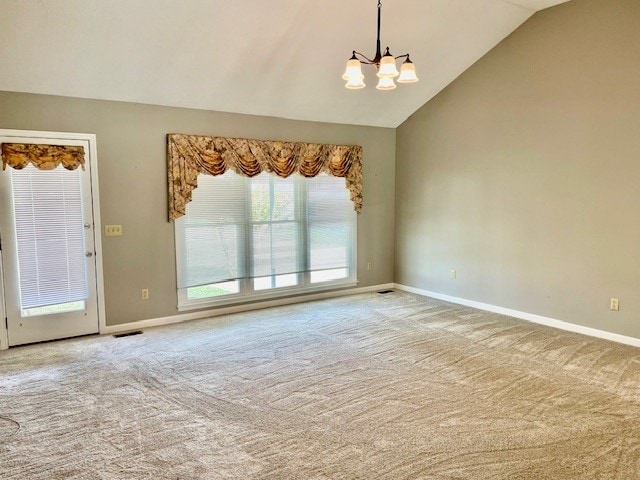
(371, 386)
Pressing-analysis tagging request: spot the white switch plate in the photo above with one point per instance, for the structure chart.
(113, 230)
(453, 274)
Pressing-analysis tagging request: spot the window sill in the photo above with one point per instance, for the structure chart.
(256, 298)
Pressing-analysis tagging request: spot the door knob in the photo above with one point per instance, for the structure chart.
(89, 254)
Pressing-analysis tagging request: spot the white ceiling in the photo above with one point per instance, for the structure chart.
(281, 58)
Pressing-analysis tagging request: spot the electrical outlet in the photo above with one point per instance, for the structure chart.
(369, 266)
(113, 230)
(614, 304)
(453, 274)
(145, 294)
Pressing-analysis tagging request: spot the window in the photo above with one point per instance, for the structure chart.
(245, 238)
(47, 210)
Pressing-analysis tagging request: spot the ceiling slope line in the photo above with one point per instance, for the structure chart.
(516, 4)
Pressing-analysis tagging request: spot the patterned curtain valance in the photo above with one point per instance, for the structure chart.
(190, 155)
(43, 157)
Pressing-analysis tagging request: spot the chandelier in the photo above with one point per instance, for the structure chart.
(385, 64)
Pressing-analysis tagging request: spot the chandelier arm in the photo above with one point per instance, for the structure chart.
(364, 59)
(406, 55)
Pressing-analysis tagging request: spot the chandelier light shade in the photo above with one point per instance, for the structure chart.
(386, 83)
(385, 64)
(387, 68)
(407, 72)
(353, 74)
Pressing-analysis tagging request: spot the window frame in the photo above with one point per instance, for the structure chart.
(246, 289)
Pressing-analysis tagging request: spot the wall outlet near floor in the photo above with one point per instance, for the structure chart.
(113, 230)
(369, 266)
(145, 294)
(453, 273)
(614, 304)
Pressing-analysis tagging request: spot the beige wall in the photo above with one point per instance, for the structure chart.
(524, 174)
(133, 185)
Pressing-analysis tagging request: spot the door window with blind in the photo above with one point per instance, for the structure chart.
(50, 239)
(264, 236)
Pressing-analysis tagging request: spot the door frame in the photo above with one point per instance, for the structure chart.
(92, 155)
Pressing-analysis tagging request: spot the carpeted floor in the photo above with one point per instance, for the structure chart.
(371, 386)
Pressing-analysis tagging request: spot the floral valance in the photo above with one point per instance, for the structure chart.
(190, 155)
(43, 157)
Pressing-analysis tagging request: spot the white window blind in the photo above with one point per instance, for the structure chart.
(273, 230)
(276, 229)
(211, 238)
(331, 223)
(47, 208)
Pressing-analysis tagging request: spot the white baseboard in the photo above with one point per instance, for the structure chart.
(530, 317)
(184, 317)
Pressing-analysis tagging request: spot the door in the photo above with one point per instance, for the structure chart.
(47, 239)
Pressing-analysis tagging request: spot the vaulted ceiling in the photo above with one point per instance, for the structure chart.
(280, 58)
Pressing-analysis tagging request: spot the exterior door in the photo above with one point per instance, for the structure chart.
(48, 248)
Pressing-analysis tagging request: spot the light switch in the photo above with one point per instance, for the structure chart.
(113, 230)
